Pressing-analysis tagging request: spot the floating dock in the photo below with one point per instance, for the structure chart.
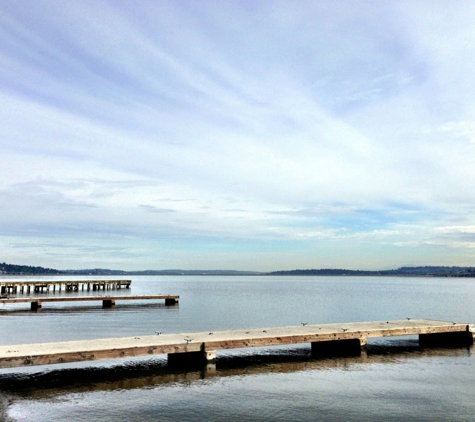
(202, 346)
(14, 287)
(107, 301)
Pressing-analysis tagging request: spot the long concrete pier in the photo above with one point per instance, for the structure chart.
(185, 347)
(107, 301)
(17, 286)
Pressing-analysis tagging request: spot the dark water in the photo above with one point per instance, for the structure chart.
(393, 380)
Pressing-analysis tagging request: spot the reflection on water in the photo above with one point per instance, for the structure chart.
(146, 373)
(391, 382)
(55, 308)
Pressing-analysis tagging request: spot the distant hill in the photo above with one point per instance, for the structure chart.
(98, 271)
(427, 271)
(433, 271)
(25, 269)
(10, 269)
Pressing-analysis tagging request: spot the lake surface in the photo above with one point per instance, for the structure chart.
(393, 380)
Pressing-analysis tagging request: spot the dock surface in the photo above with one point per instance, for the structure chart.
(39, 286)
(107, 301)
(205, 344)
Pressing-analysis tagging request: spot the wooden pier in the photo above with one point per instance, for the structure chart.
(14, 286)
(202, 346)
(107, 301)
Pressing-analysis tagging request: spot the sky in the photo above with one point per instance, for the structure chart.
(243, 134)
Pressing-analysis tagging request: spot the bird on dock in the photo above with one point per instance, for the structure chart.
(304, 323)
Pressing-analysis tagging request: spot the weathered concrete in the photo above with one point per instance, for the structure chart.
(107, 301)
(203, 345)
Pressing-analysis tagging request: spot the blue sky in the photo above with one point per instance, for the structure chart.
(247, 135)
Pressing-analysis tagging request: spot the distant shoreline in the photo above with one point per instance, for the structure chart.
(420, 271)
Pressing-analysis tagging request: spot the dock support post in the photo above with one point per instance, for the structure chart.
(171, 301)
(338, 347)
(192, 358)
(454, 339)
(36, 305)
(108, 303)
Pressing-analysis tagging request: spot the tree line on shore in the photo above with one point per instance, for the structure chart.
(434, 271)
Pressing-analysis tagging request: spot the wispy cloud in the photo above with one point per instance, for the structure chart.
(252, 134)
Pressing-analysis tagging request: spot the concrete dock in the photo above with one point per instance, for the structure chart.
(202, 346)
(107, 301)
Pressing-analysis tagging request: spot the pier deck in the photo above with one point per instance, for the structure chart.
(107, 301)
(16, 286)
(203, 345)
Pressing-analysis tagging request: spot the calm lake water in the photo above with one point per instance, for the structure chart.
(393, 380)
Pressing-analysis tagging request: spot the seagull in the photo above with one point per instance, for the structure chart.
(304, 323)
(345, 330)
(454, 323)
(210, 334)
(264, 331)
(158, 332)
(188, 340)
(408, 318)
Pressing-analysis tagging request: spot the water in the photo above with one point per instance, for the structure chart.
(394, 380)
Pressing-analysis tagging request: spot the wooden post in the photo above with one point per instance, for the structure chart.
(170, 301)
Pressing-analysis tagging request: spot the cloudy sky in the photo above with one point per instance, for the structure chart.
(247, 135)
